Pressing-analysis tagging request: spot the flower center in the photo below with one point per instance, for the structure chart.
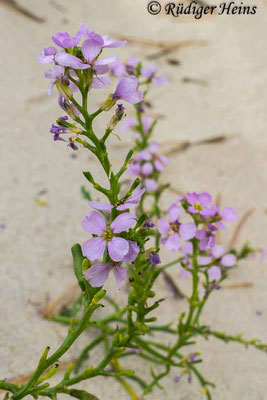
(108, 235)
(175, 226)
(198, 206)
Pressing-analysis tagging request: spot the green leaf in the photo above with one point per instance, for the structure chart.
(82, 395)
(78, 260)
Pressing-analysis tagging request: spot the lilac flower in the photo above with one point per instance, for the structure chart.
(47, 56)
(112, 44)
(104, 40)
(98, 274)
(133, 200)
(119, 249)
(218, 259)
(198, 203)
(154, 258)
(151, 185)
(129, 203)
(119, 68)
(130, 123)
(55, 74)
(64, 40)
(148, 161)
(174, 229)
(228, 214)
(131, 64)
(206, 237)
(127, 90)
(150, 72)
(91, 49)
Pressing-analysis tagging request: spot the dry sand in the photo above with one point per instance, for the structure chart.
(229, 97)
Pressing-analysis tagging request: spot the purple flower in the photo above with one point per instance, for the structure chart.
(218, 259)
(58, 130)
(154, 258)
(133, 200)
(91, 49)
(128, 203)
(47, 56)
(55, 74)
(98, 274)
(198, 203)
(206, 237)
(119, 249)
(64, 40)
(112, 44)
(104, 40)
(174, 229)
(148, 161)
(131, 64)
(127, 90)
(118, 69)
(72, 144)
(151, 185)
(130, 123)
(150, 72)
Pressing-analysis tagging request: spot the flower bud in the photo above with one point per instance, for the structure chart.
(64, 89)
(108, 104)
(117, 117)
(98, 296)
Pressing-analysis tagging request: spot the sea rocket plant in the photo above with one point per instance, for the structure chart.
(126, 231)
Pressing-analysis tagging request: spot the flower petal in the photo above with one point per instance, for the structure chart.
(147, 168)
(97, 205)
(204, 260)
(229, 260)
(163, 226)
(100, 82)
(174, 212)
(229, 214)
(173, 242)
(132, 252)
(118, 248)
(120, 274)
(94, 248)
(106, 61)
(214, 273)
(90, 49)
(151, 185)
(188, 230)
(98, 274)
(204, 198)
(217, 251)
(94, 223)
(122, 223)
(68, 60)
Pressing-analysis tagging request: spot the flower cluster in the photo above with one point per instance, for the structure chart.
(147, 164)
(77, 65)
(206, 220)
(133, 66)
(109, 237)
